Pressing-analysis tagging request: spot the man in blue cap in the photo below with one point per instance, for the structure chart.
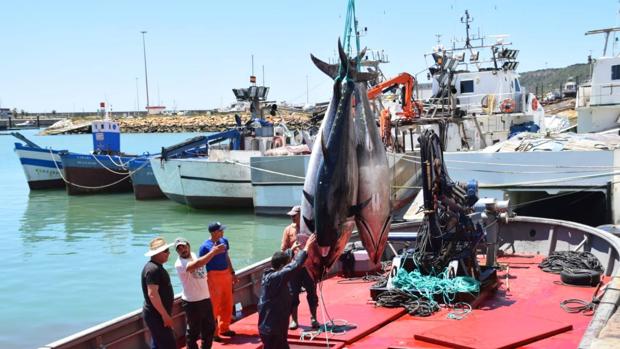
(221, 277)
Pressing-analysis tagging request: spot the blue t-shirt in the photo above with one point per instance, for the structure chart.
(219, 262)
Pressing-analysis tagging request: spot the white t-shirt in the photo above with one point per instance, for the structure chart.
(195, 287)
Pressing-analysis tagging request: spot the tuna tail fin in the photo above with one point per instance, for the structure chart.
(330, 70)
(356, 209)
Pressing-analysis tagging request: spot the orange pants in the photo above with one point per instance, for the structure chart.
(221, 290)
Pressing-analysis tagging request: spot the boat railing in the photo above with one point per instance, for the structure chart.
(129, 330)
(478, 103)
(604, 94)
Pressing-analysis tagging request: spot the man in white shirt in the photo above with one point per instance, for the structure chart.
(195, 297)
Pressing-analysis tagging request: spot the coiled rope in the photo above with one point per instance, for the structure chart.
(558, 261)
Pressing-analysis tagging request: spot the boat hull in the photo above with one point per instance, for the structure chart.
(89, 173)
(39, 168)
(145, 186)
(220, 181)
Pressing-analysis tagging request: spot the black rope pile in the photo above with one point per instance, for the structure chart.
(570, 260)
(413, 305)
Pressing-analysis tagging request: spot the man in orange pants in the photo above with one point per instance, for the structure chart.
(221, 276)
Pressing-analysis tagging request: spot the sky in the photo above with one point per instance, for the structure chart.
(68, 56)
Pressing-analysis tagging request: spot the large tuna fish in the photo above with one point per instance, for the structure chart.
(374, 217)
(330, 187)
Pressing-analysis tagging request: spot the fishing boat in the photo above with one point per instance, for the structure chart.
(522, 243)
(145, 186)
(42, 167)
(474, 101)
(598, 102)
(215, 171)
(103, 170)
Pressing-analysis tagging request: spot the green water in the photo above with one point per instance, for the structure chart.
(71, 262)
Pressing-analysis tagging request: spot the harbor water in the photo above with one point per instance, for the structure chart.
(71, 262)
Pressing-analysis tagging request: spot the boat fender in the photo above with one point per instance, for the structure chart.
(277, 142)
(508, 105)
(583, 277)
(534, 104)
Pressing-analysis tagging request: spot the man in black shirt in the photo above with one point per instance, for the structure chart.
(274, 305)
(158, 295)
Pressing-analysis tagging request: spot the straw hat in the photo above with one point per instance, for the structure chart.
(157, 245)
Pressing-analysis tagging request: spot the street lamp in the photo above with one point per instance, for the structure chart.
(146, 76)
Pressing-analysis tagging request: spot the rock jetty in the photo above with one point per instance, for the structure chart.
(160, 123)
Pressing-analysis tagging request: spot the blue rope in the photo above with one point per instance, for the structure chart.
(428, 286)
(350, 29)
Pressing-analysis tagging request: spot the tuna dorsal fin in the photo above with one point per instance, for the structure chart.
(309, 223)
(356, 209)
(344, 59)
(330, 70)
(309, 197)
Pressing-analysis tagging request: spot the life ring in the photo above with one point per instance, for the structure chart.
(508, 105)
(534, 104)
(277, 142)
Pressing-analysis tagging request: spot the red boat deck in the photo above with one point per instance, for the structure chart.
(523, 312)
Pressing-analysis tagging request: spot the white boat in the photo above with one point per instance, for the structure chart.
(219, 180)
(42, 167)
(218, 176)
(598, 101)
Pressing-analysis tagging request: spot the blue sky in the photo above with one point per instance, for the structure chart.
(70, 55)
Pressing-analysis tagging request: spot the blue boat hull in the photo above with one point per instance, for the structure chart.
(144, 183)
(89, 173)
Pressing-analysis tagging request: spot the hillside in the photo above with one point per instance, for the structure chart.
(553, 78)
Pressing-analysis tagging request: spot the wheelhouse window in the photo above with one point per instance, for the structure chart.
(517, 86)
(615, 72)
(467, 86)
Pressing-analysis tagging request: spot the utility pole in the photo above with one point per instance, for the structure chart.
(146, 76)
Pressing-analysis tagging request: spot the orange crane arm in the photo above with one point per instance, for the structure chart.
(401, 79)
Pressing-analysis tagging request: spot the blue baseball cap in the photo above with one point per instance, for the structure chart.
(215, 226)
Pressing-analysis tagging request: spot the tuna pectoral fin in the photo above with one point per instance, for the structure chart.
(309, 223)
(356, 209)
(309, 197)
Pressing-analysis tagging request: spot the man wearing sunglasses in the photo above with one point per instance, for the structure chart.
(158, 295)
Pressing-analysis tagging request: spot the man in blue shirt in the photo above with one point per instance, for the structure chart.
(221, 276)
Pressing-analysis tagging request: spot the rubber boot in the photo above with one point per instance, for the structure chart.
(315, 324)
(293, 325)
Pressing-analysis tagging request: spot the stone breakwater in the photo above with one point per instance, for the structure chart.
(168, 124)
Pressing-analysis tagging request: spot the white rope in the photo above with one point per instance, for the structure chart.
(97, 187)
(264, 170)
(104, 166)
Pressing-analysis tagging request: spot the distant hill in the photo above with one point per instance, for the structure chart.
(554, 78)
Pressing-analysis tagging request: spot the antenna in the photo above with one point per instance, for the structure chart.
(466, 20)
(438, 36)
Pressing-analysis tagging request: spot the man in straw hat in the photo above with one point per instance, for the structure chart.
(158, 295)
(195, 298)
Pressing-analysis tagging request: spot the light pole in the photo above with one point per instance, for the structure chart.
(137, 97)
(146, 76)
